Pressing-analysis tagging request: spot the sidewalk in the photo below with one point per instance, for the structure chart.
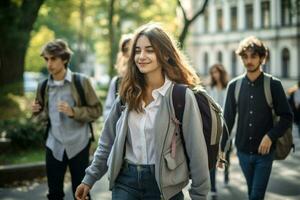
(284, 183)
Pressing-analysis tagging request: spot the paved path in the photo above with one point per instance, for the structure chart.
(284, 183)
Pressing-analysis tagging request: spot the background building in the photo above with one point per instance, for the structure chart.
(215, 35)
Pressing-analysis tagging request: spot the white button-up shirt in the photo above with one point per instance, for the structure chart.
(140, 143)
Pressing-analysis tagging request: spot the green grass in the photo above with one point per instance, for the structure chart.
(22, 157)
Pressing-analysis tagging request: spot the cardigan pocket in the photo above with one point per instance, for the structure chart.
(175, 169)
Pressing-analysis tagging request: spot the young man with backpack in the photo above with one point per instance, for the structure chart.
(68, 103)
(248, 98)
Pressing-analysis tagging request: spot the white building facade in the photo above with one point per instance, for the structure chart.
(215, 35)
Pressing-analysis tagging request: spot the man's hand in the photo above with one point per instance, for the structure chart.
(36, 107)
(82, 191)
(64, 107)
(265, 145)
(221, 161)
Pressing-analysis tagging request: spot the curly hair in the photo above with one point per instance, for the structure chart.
(253, 44)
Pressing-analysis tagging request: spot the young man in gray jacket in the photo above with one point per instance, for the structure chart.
(68, 131)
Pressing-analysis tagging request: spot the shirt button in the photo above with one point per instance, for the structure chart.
(251, 96)
(250, 138)
(251, 112)
(252, 84)
(250, 124)
(251, 152)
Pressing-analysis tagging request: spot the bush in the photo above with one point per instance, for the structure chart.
(24, 132)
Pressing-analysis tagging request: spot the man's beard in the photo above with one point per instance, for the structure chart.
(254, 70)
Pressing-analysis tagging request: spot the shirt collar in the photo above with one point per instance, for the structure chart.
(68, 77)
(257, 80)
(163, 89)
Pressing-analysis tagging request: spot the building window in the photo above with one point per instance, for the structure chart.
(205, 63)
(265, 14)
(233, 14)
(220, 57)
(285, 57)
(233, 64)
(249, 16)
(286, 14)
(219, 19)
(205, 20)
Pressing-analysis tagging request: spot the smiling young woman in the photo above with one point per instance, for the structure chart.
(140, 146)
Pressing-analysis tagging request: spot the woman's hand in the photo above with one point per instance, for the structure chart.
(82, 191)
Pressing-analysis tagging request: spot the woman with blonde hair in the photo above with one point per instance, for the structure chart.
(121, 66)
(140, 145)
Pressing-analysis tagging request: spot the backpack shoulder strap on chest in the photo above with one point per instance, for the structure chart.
(117, 85)
(79, 88)
(267, 89)
(78, 84)
(238, 86)
(178, 98)
(43, 89)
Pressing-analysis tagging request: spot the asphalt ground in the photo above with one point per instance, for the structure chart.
(284, 183)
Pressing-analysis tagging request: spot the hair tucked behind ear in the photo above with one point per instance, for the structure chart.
(173, 63)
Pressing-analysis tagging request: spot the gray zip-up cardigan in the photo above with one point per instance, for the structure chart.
(171, 173)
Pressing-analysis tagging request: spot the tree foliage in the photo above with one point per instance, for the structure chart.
(27, 25)
(16, 22)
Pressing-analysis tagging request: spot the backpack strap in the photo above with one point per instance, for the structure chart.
(43, 92)
(238, 85)
(237, 89)
(79, 88)
(117, 85)
(178, 98)
(267, 89)
(43, 89)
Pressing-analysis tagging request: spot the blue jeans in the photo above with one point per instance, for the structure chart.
(137, 182)
(257, 170)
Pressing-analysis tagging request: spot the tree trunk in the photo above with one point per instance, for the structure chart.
(16, 23)
(11, 71)
(184, 32)
(188, 22)
(111, 37)
(80, 50)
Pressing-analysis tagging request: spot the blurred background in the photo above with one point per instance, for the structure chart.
(208, 31)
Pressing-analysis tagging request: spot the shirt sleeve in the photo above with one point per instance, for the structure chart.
(99, 166)
(93, 109)
(229, 113)
(196, 148)
(282, 110)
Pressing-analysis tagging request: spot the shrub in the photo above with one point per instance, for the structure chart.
(24, 132)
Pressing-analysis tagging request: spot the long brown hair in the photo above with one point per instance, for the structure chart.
(223, 75)
(172, 61)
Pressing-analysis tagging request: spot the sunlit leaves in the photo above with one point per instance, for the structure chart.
(33, 61)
